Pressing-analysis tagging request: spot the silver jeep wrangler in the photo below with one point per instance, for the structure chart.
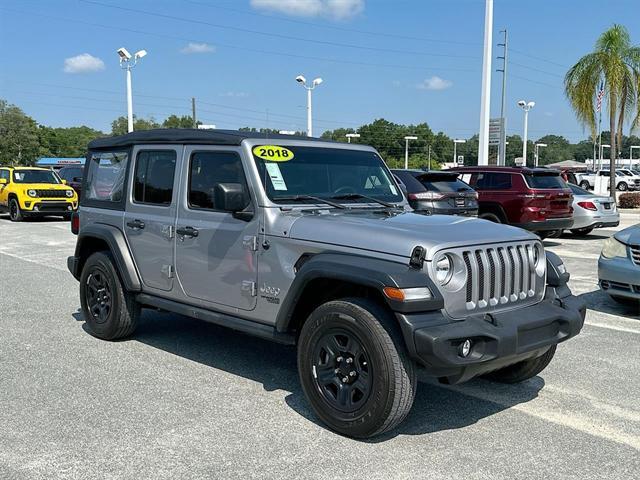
(312, 243)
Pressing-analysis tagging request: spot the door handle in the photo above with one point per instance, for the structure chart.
(136, 224)
(187, 232)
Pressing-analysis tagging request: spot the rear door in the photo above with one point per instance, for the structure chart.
(149, 220)
(216, 253)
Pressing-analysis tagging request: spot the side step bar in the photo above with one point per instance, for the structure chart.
(241, 325)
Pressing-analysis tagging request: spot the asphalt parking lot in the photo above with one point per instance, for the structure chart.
(185, 399)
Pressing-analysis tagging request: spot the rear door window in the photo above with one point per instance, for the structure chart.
(493, 181)
(545, 181)
(153, 179)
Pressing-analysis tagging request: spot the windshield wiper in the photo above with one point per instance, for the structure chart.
(354, 196)
(299, 198)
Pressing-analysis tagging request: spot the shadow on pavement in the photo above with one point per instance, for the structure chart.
(599, 301)
(5, 217)
(589, 237)
(436, 407)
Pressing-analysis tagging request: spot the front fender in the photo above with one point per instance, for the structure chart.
(359, 270)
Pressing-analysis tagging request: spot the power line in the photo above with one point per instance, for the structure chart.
(271, 34)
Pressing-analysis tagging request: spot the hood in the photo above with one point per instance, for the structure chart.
(399, 233)
(629, 236)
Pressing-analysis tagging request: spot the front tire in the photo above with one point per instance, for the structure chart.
(524, 370)
(110, 312)
(623, 187)
(584, 184)
(15, 212)
(354, 368)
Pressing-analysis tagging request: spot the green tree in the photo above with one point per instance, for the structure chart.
(174, 121)
(616, 63)
(120, 125)
(19, 143)
(65, 142)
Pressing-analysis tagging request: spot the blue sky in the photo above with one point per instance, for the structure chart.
(408, 61)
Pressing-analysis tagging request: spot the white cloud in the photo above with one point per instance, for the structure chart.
(83, 63)
(193, 47)
(435, 83)
(336, 9)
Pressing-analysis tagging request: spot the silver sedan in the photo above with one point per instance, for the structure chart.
(619, 265)
(592, 211)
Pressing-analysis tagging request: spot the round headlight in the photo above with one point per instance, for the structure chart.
(32, 193)
(444, 269)
(69, 193)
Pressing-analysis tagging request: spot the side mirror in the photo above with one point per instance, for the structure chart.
(3, 181)
(64, 182)
(232, 197)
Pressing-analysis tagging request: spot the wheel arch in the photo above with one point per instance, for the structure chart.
(102, 237)
(330, 276)
(495, 208)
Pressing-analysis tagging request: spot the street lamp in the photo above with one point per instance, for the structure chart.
(406, 150)
(538, 145)
(526, 106)
(455, 148)
(127, 62)
(352, 135)
(303, 81)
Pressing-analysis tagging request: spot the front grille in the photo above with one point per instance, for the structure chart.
(635, 254)
(497, 277)
(52, 193)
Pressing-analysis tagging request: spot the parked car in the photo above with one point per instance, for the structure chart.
(535, 199)
(438, 192)
(623, 182)
(619, 265)
(34, 192)
(311, 243)
(592, 211)
(634, 177)
(73, 177)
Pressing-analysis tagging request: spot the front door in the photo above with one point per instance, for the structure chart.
(149, 221)
(216, 256)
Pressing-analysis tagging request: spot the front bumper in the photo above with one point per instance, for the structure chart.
(615, 274)
(48, 207)
(498, 340)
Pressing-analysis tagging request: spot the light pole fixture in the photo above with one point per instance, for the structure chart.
(303, 81)
(538, 145)
(352, 135)
(456, 141)
(406, 150)
(127, 62)
(526, 106)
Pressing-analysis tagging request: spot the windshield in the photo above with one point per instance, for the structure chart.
(545, 181)
(325, 173)
(444, 183)
(35, 176)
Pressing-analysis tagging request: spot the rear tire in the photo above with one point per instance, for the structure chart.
(554, 234)
(581, 231)
(584, 184)
(624, 300)
(492, 217)
(524, 370)
(15, 213)
(110, 312)
(354, 368)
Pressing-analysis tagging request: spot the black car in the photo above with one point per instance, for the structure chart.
(73, 176)
(439, 192)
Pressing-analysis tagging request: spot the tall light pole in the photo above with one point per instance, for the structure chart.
(303, 81)
(538, 145)
(406, 150)
(127, 62)
(485, 94)
(455, 148)
(351, 135)
(502, 148)
(526, 106)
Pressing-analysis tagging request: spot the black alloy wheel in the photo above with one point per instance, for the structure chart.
(98, 295)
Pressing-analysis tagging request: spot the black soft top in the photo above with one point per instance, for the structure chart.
(189, 136)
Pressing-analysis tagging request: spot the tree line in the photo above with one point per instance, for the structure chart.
(23, 140)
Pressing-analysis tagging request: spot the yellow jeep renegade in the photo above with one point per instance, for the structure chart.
(31, 191)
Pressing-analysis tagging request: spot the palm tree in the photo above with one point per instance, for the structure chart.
(614, 63)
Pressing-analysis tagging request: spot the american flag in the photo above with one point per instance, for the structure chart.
(600, 96)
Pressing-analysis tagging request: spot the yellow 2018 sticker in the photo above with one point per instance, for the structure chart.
(273, 153)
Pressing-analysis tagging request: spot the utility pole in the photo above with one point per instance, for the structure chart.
(502, 148)
(485, 94)
(193, 112)
(429, 157)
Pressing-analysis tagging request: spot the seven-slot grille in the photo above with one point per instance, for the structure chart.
(500, 275)
(52, 193)
(635, 254)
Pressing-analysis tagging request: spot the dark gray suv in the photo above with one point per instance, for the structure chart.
(311, 243)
